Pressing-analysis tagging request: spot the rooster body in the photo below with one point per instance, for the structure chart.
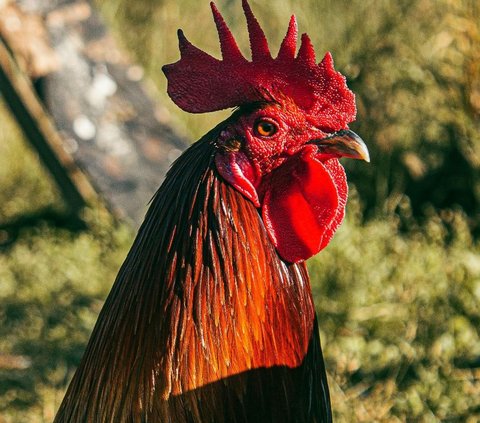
(211, 317)
(203, 324)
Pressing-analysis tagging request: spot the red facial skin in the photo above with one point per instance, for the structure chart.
(301, 192)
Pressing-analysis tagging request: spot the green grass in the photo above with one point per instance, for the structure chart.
(398, 289)
(52, 283)
(400, 315)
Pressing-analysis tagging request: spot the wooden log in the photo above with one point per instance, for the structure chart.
(38, 128)
(107, 127)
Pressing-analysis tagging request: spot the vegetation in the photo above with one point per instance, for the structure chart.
(398, 289)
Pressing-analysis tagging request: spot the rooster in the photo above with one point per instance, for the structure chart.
(211, 317)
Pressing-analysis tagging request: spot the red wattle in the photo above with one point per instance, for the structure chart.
(303, 204)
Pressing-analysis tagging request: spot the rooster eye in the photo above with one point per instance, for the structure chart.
(265, 128)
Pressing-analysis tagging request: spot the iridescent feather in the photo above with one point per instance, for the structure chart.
(205, 323)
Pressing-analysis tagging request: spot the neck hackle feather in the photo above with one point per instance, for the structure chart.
(205, 323)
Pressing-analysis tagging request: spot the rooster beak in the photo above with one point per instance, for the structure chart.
(344, 143)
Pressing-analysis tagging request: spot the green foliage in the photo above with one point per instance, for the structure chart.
(398, 301)
(414, 66)
(399, 317)
(416, 72)
(17, 184)
(52, 285)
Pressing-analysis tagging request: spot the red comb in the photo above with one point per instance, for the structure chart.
(200, 83)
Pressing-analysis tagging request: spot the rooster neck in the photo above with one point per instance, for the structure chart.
(202, 296)
(230, 302)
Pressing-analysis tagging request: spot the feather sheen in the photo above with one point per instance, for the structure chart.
(205, 323)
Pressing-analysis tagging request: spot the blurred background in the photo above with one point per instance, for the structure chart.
(398, 289)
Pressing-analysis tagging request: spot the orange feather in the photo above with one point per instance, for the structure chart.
(205, 323)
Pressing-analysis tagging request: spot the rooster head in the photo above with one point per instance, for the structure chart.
(281, 147)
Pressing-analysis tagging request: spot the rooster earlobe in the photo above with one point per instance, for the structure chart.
(237, 170)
